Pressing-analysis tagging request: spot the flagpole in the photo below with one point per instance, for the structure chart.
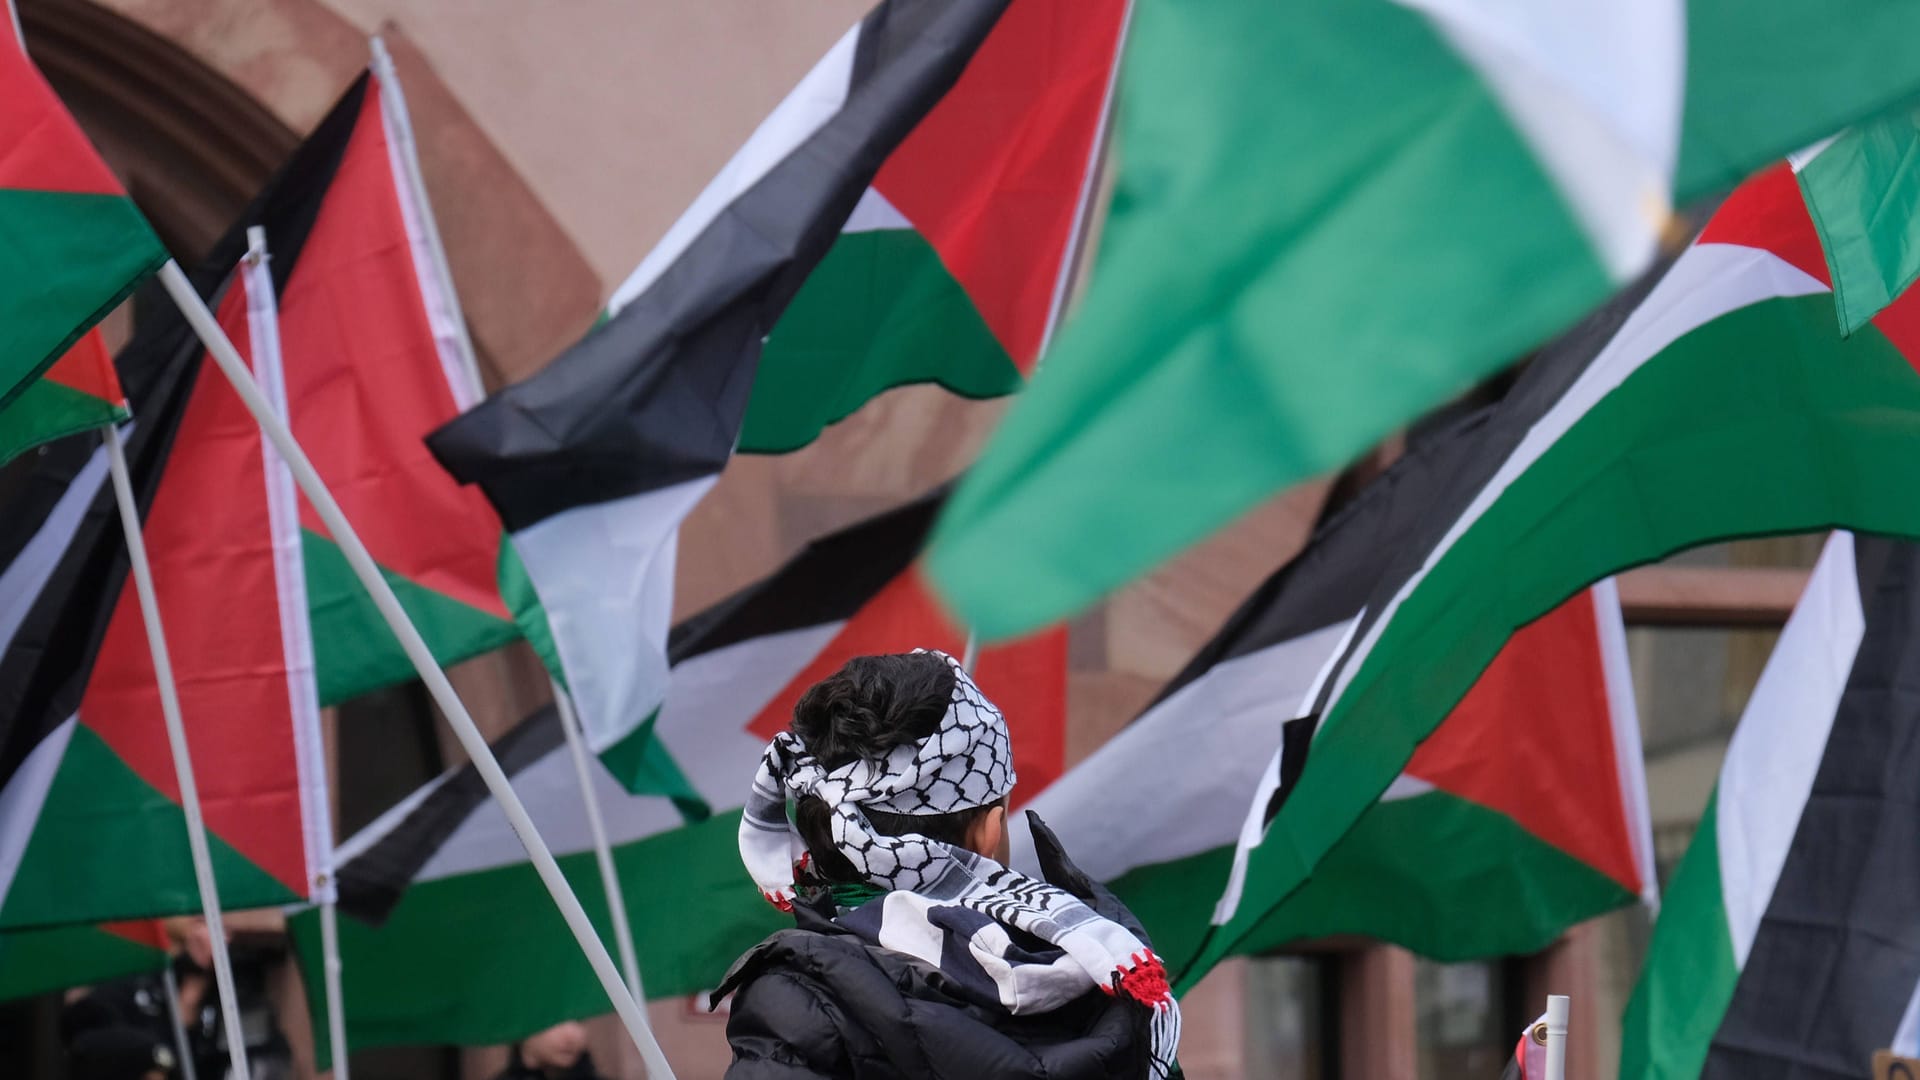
(188, 1071)
(602, 848)
(181, 291)
(1557, 1009)
(177, 743)
(395, 108)
(330, 975)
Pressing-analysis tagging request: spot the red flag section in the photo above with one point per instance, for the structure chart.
(211, 539)
(1559, 780)
(367, 379)
(1026, 678)
(955, 178)
(88, 368)
(44, 150)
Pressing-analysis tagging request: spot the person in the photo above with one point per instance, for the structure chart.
(916, 952)
(557, 1053)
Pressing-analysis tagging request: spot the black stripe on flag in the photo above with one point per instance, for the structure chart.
(829, 580)
(44, 667)
(656, 395)
(1837, 954)
(373, 881)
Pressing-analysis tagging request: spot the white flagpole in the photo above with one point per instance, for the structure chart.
(330, 974)
(394, 103)
(182, 761)
(970, 653)
(602, 848)
(188, 1070)
(1557, 1009)
(174, 280)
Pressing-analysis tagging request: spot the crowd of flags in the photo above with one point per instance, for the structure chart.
(1327, 221)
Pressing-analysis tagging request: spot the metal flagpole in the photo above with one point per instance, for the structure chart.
(177, 743)
(174, 280)
(330, 974)
(188, 1070)
(971, 652)
(1557, 1009)
(394, 104)
(602, 849)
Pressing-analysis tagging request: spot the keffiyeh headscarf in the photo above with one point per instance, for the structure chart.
(966, 762)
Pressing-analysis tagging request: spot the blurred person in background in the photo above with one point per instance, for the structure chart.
(558, 1053)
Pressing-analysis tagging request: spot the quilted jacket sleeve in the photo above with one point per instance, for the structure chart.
(781, 1029)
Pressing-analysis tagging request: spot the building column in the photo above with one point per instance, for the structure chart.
(1378, 1029)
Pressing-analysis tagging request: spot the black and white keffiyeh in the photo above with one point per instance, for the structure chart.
(966, 762)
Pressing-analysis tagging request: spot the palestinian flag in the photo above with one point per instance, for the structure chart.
(75, 244)
(36, 962)
(954, 265)
(78, 393)
(90, 825)
(431, 882)
(1723, 404)
(593, 462)
(1424, 191)
(1522, 815)
(370, 335)
(1790, 942)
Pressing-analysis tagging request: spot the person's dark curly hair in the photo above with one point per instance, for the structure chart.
(864, 710)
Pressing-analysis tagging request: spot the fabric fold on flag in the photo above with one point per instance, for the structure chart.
(1723, 404)
(593, 463)
(1332, 216)
(76, 247)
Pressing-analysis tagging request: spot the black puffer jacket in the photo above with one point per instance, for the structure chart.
(821, 1001)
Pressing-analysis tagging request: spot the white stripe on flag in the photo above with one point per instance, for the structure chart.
(1596, 91)
(1629, 757)
(20, 801)
(811, 104)
(1906, 1041)
(1253, 823)
(604, 575)
(873, 213)
(1708, 281)
(23, 578)
(290, 577)
(1205, 747)
(1777, 749)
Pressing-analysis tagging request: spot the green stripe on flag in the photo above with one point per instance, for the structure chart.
(1699, 444)
(1690, 971)
(107, 845)
(354, 651)
(644, 766)
(47, 410)
(879, 311)
(70, 259)
(1864, 195)
(484, 957)
(1361, 233)
(39, 961)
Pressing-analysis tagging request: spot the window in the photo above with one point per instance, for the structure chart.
(1290, 1008)
(1465, 1019)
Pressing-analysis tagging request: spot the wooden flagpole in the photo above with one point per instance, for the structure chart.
(181, 291)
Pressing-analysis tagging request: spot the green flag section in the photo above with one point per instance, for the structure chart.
(447, 937)
(41, 961)
(1723, 404)
(1333, 215)
(952, 267)
(75, 244)
(78, 393)
(1863, 199)
(1790, 941)
(1524, 813)
(593, 462)
(90, 823)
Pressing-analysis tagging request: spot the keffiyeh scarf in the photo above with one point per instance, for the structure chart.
(966, 762)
